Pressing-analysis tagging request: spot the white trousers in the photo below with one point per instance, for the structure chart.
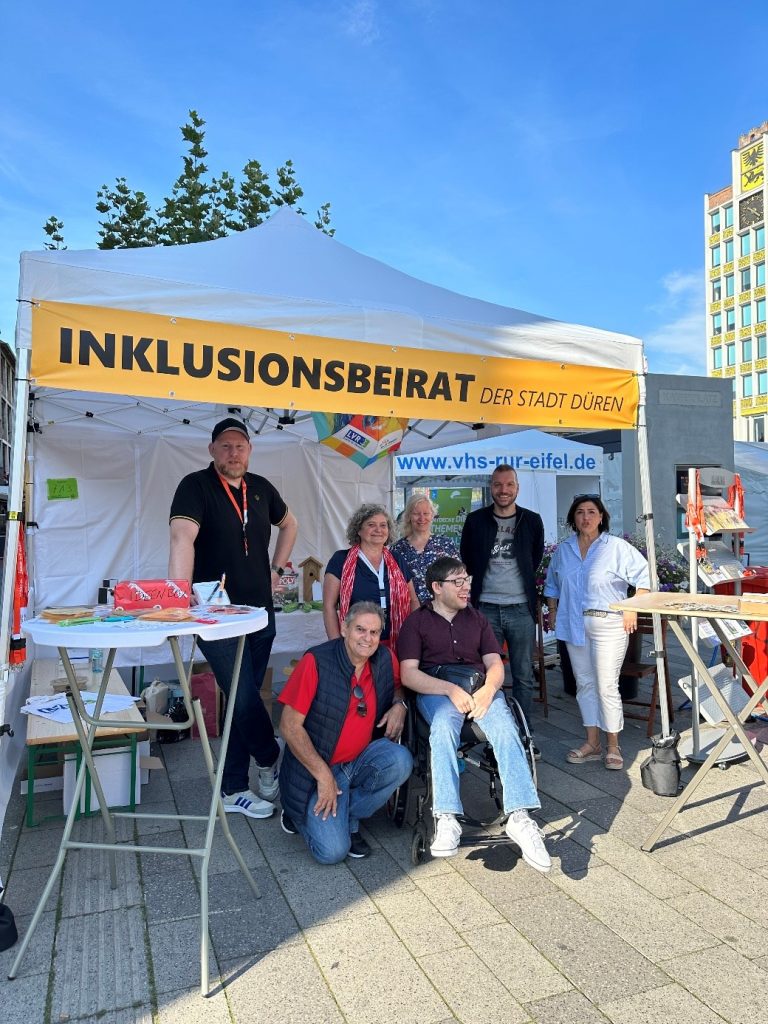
(596, 667)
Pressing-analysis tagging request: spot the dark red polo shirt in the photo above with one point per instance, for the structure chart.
(429, 639)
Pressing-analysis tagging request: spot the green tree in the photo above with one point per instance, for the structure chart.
(53, 228)
(200, 207)
(128, 221)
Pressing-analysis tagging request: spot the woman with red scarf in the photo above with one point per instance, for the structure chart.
(368, 571)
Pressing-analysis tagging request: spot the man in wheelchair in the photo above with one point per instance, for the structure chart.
(445, 633)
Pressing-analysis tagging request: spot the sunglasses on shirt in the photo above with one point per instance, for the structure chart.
(362, 707)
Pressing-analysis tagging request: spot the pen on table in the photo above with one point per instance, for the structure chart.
(76, 622)
(219, 586)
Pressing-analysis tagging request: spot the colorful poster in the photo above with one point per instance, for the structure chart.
(363, 439)
(453, 504)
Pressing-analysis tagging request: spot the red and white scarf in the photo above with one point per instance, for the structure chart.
(399, 598)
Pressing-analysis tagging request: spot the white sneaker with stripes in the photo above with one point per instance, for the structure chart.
(247, 803)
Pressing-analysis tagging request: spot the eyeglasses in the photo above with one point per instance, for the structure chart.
(362, 707)
(458, 581)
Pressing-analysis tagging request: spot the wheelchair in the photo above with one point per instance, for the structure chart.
(408, 804)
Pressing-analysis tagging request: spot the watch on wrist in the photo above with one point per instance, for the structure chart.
(278, 569)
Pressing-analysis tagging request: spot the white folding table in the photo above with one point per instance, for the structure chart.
(713, 608)
(139, 634)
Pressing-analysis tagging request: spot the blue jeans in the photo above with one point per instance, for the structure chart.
(252, 734)
(499, 726)
(366, 784)
(513, 623)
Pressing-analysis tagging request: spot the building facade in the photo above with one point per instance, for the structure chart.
(734, 232)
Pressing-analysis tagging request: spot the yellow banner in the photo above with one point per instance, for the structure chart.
(752, 167)
(117, 352)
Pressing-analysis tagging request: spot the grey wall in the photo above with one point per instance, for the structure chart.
(690, 423)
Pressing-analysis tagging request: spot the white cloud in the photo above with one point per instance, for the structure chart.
(361, 21)
(678, 344)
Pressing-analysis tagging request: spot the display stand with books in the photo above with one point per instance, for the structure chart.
(716, 528)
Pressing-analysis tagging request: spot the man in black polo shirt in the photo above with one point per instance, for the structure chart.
(221, 520)
(449, 631)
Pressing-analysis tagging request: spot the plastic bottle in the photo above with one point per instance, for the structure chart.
(97, 661)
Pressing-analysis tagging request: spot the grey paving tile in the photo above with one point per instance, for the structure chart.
(727, 882)
(516, 963)
(567, 1008)
(315, 892)
(241, 925)
(24, 887)
(173, 973)
(381, 875)
(285, 986)
(86, 888)
(727, 982)
(624, 821)
(100, 964)
(189, 1007)
(569, 789)
(38, 848)
(24, 998)
(396, 989)
(418, 923)
(168, 882)
(660, 1006)
(591, 956)
(39, 953)
(499, 874)
(222, 858)
(192, 795)
(458, 901)
(728, 925)
(129, 1015)
(652, 926)
(473, 992)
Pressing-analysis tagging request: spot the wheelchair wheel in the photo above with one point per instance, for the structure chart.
(419, 843)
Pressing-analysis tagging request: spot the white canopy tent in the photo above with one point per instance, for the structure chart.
(126, 358)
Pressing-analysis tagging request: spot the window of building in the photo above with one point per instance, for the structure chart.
(760, 311)
(729, 285)
(744, 244)
(730, 354)
(715, 255)
(714, 221)
(746, 315)
(717, 290)
(762, 382)
(730, 319)
(762, 347)
(717, 358)
(746, 279)
(717, 323)
(759, 238)
(746, 385)
(729, 250)
(728, 211)
(746, 350)
(758, 429)
(759, 274)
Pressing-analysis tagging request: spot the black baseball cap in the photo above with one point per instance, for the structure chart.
(230, 423)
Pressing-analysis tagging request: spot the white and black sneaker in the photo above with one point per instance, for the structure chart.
(286, 824)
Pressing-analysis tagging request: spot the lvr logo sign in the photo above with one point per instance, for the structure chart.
(354, 438)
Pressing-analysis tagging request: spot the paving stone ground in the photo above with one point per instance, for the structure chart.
(611, 934)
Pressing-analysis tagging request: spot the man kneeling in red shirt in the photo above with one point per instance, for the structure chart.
(334, 773)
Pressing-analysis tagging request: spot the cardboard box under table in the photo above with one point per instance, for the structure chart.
(715, 609)
(49, 742)
(220, 625)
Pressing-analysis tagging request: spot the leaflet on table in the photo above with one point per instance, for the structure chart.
(734, 629)
(56, 709)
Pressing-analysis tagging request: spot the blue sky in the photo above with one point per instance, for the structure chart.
(550, 156)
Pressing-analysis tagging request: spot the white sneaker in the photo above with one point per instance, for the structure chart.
(247, 803)
(524, 831)
(447, 836)
(269, 788)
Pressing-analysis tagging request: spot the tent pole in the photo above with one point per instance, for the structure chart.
(15, 522)
(647, 516)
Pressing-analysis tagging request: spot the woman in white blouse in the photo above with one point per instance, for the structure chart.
(588, 572)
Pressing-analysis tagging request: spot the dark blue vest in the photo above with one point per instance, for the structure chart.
(326, 716)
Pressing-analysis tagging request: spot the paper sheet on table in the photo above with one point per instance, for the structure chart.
(57, 710)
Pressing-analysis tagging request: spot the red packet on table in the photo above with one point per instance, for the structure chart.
(146, 595)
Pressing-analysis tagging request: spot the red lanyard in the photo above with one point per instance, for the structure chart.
(242, 514)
